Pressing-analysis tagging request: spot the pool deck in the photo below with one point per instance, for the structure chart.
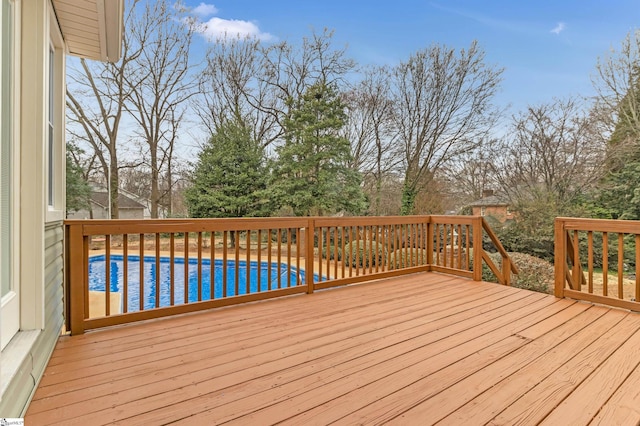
(420, 349)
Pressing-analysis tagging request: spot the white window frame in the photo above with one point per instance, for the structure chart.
(10, 302)
(55, 177)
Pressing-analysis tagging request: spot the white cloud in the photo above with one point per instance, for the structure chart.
(559, 28)
(204, 10)
(216, 28)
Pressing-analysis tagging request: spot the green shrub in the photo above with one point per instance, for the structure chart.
(533, 273)
(358, 254)
(399, 259)
(332, 253)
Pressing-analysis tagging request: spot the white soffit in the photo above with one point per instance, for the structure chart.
(92, 28)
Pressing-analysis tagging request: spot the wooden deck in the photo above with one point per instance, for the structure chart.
(420, 349)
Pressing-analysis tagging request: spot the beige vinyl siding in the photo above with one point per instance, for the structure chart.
(53, 308)
(29, 372)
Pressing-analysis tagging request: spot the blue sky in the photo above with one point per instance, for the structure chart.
(548, 48)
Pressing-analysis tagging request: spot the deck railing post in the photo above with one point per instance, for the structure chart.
(75, 249)
(309, 234)
(506, 270)
(560, 257)
(429, 223)
(477, 248)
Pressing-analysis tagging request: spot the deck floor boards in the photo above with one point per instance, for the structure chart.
(419, 349)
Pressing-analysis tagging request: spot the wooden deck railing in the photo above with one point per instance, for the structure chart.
(598, 261)
(122, 271)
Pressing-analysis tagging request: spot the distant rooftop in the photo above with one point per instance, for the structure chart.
(489, 199)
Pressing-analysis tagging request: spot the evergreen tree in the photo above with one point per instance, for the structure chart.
(230, 176)
(619, 195)
(312, 174)
(78, 190)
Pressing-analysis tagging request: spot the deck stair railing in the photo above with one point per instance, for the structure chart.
(598, 260)
(121, 271)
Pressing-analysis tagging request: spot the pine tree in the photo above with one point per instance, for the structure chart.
(230, 176)
(311, 175)
(78, 189)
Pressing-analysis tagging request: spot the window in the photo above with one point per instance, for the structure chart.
(483, 211)
(50, 131)
(9, 297)
(54, 144)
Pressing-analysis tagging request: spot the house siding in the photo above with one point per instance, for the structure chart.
(19, 390)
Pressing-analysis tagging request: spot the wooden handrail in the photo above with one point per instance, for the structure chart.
(329, 252)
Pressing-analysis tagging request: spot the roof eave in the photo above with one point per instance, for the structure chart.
(101, 20)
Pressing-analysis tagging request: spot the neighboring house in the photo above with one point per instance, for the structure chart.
(491, 205)
(146, 203)
(127, 208)
(35, 37)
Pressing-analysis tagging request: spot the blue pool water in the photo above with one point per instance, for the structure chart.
(280, 278)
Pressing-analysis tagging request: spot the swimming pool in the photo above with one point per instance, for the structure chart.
(280, 278)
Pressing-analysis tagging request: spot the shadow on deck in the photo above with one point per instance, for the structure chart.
(417, 349)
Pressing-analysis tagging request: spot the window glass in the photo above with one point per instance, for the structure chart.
(50, 150)
(6, 114)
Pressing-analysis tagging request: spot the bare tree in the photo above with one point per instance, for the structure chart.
(160, 83)
(370, 129)
(229, 89)
(443, 108)
(258, 83)
(617, 84)
(553, 153)
(471, 173)
(96, 96)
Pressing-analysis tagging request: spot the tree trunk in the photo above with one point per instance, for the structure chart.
(409, 194)
(154, 181)
(113, 185)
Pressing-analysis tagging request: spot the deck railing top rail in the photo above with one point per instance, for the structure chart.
(119, 271)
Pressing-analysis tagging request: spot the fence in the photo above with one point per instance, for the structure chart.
(597, 260)
(122, 271)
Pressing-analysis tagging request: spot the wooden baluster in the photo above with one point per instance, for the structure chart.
(279, 257)
(437, 232)
(371, 257)
(259, 272)
(157, 269)
(379, 249)
(336, 235)
(452, 249)
(467, 246)
(343, 255)
(172, 267)
(576, 272)
(459, 246)
(236, 252)
(125, 273)
(349, 255)
(199, 266)
(404, 243)
(361, 260)
(288, 231)
(212, 265)
(298, 251)
(620, 265)
(269, 268)
(186, 267)
(107, 270)
(590, 260)
(141, 262)
(605, 264)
